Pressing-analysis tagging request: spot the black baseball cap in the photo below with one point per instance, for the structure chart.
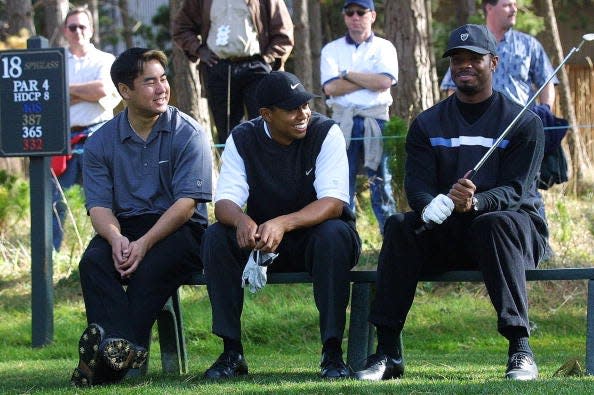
(283, 90)
(475, 38)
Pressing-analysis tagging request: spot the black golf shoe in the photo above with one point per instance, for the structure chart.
(120, 354)
(88, 356)
(332, 366)
(229, 364)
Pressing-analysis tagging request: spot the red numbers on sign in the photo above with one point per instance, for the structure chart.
(32, 144)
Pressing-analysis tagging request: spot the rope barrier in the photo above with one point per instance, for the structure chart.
(401, 137)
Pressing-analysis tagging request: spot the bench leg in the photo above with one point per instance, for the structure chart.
(173, 347)
(590, 330)
(361, 333)
(181, 339)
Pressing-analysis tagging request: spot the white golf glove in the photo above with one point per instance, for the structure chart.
(254, 273)
(438, 210)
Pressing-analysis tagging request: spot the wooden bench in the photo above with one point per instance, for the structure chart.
(361, 334)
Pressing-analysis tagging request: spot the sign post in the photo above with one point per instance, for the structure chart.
(34, 104)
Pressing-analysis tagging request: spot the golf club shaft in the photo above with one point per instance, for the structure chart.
(481, 162)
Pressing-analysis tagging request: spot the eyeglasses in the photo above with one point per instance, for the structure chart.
(350, 13)
(73, 28)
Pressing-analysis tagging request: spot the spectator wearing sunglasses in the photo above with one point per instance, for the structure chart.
(357, 71)
(92, 100)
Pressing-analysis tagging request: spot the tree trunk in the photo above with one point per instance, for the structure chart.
(331, 14)
(94, 8)
(15, 166)
(302, 62)
(19, 13)
(580, 166)
(126, 23)
(186, 83)
(54, 13)
(315, 40)
(464, 10)
(406, 27)
(431, 48)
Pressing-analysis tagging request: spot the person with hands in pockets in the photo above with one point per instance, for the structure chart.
(289, 169)
(490, 223)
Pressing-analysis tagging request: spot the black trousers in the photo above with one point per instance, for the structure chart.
(129, 312)
(327, 251)
(245, 77)
(501, 244)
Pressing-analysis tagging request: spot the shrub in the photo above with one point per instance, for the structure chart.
(394, 140)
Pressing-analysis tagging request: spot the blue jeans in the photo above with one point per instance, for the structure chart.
(72, 175)
(380, 180)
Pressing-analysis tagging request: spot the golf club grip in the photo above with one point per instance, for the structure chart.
(430, 225)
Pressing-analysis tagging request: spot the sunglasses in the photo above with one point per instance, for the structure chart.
(350, 13)
(73, 28)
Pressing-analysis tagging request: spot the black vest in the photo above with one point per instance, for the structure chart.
(280, 178)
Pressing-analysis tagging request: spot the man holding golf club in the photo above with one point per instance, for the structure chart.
(523, 66)
(483, 219)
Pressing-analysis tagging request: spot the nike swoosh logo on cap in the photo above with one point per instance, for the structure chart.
(295, 86)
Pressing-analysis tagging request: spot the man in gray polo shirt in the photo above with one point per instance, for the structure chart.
(145, 174)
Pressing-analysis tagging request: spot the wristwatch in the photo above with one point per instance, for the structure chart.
(475, 203)
(344, 75)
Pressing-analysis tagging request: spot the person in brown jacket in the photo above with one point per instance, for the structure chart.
(237, 42)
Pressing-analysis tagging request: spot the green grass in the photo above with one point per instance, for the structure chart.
(450, 340)
(451, 346)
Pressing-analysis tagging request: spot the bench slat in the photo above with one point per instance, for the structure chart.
(369, 276)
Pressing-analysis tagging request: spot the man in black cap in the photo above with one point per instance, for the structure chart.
(489, 223)
(288, 167)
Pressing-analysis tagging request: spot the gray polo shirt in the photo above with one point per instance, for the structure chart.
(135, 177)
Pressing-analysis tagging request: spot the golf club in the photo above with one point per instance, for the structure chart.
(586, 37)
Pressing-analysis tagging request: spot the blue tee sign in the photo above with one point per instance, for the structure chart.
(33, 103)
